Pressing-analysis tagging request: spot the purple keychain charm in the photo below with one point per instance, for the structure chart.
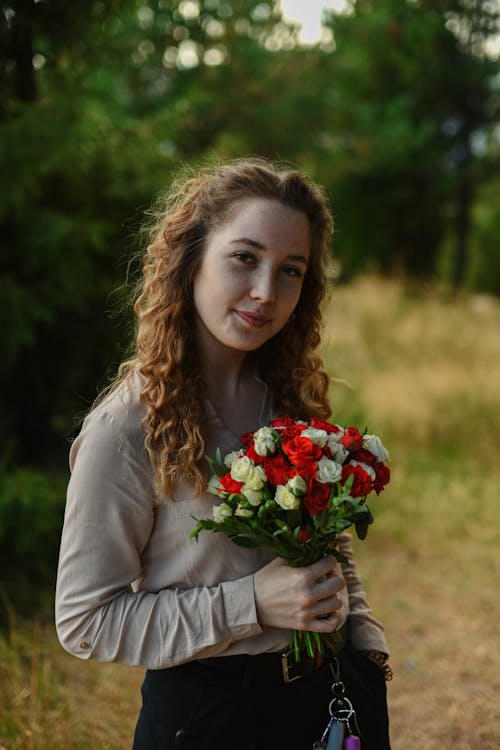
(352, 743)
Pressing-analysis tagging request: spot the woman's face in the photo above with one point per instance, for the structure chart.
(251, 274)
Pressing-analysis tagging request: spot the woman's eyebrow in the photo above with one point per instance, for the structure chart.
(248, 241)
(260, 246)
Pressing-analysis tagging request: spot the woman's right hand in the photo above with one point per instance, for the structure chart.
(299, 598)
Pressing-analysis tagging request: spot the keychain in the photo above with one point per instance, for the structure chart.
(342, 731)
(352, 743)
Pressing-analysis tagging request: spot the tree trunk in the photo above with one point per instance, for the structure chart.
(462, 224)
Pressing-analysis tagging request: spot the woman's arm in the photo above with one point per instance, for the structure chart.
(366, 633)
(108, 522)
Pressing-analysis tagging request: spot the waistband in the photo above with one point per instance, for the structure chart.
(279, 663)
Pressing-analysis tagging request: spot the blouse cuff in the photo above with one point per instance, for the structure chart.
(240, 608)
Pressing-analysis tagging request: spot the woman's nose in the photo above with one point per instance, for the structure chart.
(264, 287)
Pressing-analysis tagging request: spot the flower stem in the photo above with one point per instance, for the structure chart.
(318, 642)
(309, 644)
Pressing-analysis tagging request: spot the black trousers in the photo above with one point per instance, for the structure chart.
(197, 707)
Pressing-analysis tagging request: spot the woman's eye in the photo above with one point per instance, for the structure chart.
(292, 271)
(246, 258)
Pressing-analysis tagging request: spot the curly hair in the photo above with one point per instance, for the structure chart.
(165, 350)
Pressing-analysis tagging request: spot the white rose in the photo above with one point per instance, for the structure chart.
(339, 453)
(231, 457)
(374, 444)
(285, 498)
(367, 468)
(256, 479)
(242, 468)
(263, 442)
(222, 511)
(243, 512)
(328, 471)
(254, 497)
(318, 437)
(297, 485)
(335, 437)
(213, 485)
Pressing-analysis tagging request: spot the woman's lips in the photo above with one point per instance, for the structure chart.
(255, 320)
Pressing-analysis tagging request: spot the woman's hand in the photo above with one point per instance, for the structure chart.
(299, 598)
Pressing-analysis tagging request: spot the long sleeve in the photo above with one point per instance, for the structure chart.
(365, 631)
(106, 544)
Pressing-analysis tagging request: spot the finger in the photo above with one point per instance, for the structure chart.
(325, 623)
(325, 565)
(324, 568)
(329, 587)
(326, 607)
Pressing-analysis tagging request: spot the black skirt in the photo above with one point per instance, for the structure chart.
(198, 707)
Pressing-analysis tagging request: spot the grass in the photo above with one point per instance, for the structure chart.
(50, 700)
(423, 372)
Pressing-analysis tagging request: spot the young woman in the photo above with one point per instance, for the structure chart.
(228, 324)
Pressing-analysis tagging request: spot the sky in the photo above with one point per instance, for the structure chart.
(308, 13)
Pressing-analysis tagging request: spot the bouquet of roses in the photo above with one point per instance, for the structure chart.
(292, 488)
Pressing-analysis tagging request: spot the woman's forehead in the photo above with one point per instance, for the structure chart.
(264, 223)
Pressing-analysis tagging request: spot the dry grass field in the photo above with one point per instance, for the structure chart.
(423, 371)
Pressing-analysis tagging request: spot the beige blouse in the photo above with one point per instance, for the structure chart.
(133, 587)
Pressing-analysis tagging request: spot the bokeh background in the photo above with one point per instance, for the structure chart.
(394, 106)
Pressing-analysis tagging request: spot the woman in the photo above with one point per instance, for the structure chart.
(228, 323)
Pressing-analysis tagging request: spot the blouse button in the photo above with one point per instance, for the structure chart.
(85, 645)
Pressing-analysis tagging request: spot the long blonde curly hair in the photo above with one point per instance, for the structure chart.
(165, 350)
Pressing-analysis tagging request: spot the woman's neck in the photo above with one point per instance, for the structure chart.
(226, 376)
(223, 369)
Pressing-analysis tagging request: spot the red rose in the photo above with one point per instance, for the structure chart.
(278, 470)
(301, 450)
(230, 485)
(366, 457)
(293, 431)
(253, 455)
(383, 475)
(317, 497)
(281, 422)
(307, 470)
(362, 484)
(303, 535)
(320, 424)
(351, 439)
(247, 439)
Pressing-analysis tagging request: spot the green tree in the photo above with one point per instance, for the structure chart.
(68, 179)
(408, 97)
(100, 103)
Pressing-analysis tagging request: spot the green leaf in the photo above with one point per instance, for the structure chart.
(348, 485)
(216, 467)
(246, 540)
(361, 529)
(333, 551)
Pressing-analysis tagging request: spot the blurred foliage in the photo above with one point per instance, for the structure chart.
(396, 112)
(31, 513)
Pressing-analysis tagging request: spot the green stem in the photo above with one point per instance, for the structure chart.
(309, 644)
(319, 643)
(295, 644)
